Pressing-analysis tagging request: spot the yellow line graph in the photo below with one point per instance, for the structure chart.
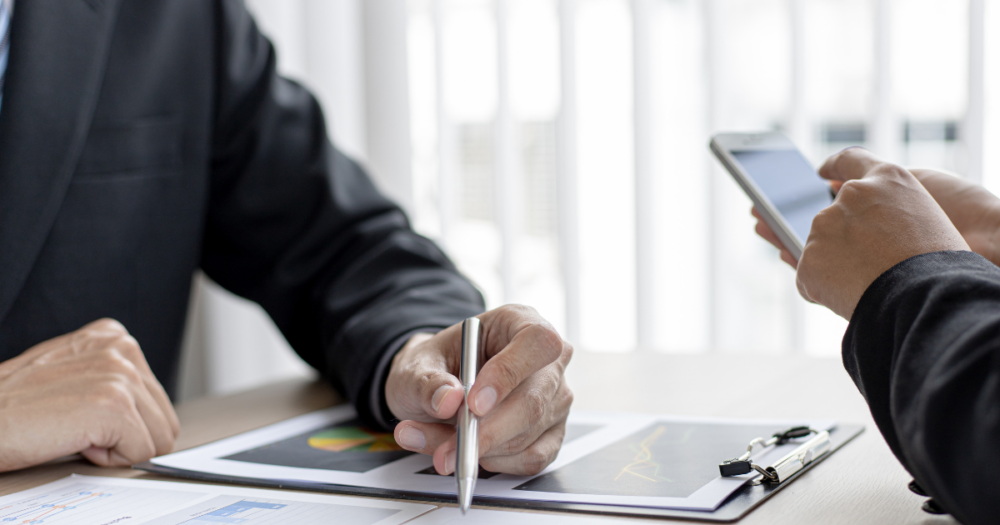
(643, 460)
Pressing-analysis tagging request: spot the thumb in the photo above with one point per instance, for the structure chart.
(441, 394)
(421, 386)
(851, 163)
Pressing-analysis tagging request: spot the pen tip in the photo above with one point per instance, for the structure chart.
(465, 489)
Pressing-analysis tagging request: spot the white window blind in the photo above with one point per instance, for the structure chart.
(557, 148)
(561, 147)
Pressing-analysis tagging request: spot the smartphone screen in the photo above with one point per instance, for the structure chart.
(790, 183)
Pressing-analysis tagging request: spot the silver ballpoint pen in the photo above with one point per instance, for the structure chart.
(467, 453)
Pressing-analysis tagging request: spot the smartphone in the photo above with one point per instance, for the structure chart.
(784, 187)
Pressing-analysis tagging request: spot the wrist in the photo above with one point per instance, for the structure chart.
(414, 341)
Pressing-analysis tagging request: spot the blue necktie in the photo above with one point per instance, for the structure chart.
(4, 44)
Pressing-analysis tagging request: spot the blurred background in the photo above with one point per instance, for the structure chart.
(557, 149)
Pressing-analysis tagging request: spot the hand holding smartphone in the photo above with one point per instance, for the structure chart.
(784, 187)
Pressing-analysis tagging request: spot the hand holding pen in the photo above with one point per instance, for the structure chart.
(520, 395)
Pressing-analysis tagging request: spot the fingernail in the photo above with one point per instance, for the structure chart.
(439, 396)
(412, 439)
(485, 400)
(449, 463)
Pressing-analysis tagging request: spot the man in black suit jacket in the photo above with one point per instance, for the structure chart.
(910, 258)
(141, 140)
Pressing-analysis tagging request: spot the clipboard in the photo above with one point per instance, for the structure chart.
(735, 507)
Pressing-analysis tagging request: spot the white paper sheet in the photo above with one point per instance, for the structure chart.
(77, 500)
(620, 459)
(452, 516)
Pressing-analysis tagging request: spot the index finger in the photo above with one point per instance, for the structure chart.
(533, 348)
(851, 163)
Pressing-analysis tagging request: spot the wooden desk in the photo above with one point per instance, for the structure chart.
(862, 483)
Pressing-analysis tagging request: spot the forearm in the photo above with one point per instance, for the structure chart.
(923, 348)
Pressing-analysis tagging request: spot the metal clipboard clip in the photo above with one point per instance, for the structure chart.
(789, 464)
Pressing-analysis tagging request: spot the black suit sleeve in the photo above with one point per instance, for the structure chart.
(299, 228)
(923, 347)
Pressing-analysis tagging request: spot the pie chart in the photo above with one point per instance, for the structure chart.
(353, 439)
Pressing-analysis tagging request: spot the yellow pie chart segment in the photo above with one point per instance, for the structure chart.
(353, 439)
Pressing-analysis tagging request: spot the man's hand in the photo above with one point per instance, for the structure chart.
(882, 216)
(973, 210)
(89, 392)
(520, 394)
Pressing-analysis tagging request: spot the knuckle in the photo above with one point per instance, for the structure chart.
(115, 363)
(567, 396)
(168, 443)
(535, 406)
(516, 444)
(850, 189)
(109, 324)
(822, 219)
(424, 381)
(424, 378)
(893, 170)
(429, 381)
(131, 374)
(828, 217)
(534, 461)
(551, 379)
(548, 338)
(128, 343)
(519, 310)
(568, 351)
(110, 395)
(128, 348)
(107, 358)
(147, 452)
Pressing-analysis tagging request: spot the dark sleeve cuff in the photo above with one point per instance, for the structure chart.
(883, 319)
(873, 332)
(424, 309)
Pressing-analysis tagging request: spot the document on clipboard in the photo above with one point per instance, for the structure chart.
(608, 459)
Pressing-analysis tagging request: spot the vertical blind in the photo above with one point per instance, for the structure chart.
(560, 147)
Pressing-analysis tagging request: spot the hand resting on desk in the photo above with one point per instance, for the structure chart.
(520, 393)
(89, 392)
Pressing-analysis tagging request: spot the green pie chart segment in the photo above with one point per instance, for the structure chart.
(353, 439)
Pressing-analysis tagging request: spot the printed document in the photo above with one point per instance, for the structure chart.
(607, 458)
(114, 501)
